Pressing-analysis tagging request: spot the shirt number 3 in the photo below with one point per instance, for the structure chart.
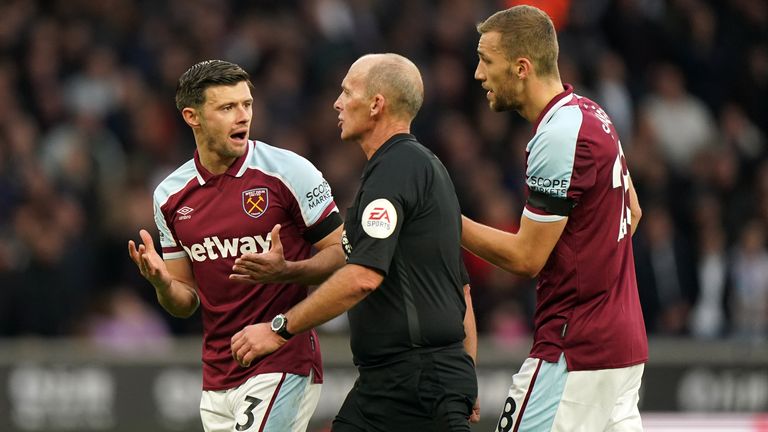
(249, 413)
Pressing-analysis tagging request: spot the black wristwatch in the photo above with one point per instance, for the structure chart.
(280, 326)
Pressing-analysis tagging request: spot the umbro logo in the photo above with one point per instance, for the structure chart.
(184, 212)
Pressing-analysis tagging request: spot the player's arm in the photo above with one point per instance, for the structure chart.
(343, 290)
(524, 253)
(470, 327)
(179, 298)
(272, 266)
(328, 259)
(346, 288)
(470, 344)
(173, 279)
(634, 207)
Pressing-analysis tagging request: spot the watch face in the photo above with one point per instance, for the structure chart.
(278, 322)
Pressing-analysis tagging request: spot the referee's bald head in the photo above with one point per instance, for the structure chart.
(397, 79)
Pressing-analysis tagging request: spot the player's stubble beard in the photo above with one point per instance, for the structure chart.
(221, 147)
(504, 100)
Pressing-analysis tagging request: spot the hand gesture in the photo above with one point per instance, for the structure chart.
(254, 341)
(475, 416)
(149, 262)
(268, 266)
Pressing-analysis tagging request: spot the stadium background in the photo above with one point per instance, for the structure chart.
(88, 128)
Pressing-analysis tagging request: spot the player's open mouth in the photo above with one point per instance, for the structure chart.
(239, 136)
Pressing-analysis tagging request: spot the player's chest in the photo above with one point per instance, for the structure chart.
(230, 213)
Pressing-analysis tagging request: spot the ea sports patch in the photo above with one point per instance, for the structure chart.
(379, 218)
(255, 201)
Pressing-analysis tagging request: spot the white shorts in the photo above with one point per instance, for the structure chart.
(547, 397)
(272, 402)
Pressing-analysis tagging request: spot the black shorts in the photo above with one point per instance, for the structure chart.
(423, 392)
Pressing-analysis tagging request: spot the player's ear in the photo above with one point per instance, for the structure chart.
(377, 104)
(522, 67)
(191, 116)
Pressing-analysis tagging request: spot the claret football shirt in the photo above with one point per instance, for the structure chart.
(587, 300)
(213, 219)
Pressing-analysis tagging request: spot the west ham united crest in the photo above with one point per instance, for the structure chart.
(255, 202)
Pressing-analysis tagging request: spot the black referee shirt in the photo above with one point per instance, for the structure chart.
(406, 223)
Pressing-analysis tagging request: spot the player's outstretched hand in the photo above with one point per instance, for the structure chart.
(149, 262)
(475, 416)
(254, 341)
(269, 266)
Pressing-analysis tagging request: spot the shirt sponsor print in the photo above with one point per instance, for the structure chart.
(554, 187)
(379, 218)
(213, 248)
(184, 212)
(318, 195)
(346, 245)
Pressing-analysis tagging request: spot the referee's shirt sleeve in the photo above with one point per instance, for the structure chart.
(382, 210)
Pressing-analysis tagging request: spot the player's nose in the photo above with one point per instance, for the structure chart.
(244, 114)
(479, 74)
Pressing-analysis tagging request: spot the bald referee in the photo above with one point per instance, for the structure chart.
(412, 326)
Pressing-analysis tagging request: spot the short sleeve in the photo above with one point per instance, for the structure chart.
(171, 249)
(314, 208)
(559, 170)
(318, 208)
(312, 191)
(382, 210)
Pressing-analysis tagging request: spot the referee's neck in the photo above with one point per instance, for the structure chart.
(380, 134)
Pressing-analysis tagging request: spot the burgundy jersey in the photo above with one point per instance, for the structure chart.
(213, 219)
(587, 303)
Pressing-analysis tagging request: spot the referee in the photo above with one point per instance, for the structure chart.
(412, 326)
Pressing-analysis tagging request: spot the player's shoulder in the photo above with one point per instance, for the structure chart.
(176, 181)
(279, 161)
(564, 123)
(557, 137)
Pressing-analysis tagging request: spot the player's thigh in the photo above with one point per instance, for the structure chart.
(599, 400)
(625, 416)
(215, 413)
(274, 402)
(533, 397)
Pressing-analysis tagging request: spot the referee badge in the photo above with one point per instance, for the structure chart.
(255, 202)
(379, 218)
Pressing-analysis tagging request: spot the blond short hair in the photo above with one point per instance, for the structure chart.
(527, 32)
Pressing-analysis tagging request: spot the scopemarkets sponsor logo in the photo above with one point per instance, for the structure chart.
(554, 187)
(214, 248)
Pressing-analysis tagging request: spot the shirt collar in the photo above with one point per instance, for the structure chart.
(553, 105)
(383, 149)
(390, 142)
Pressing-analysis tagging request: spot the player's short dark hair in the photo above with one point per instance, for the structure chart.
(526, 31)
(190, 91)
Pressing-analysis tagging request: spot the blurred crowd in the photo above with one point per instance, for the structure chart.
(88, 128)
